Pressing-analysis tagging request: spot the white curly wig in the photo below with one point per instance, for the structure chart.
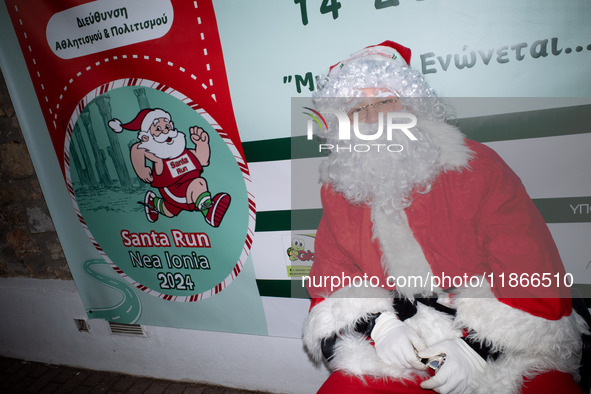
(351, 80)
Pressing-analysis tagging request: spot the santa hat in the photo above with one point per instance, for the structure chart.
(142, 122)
(398, 54)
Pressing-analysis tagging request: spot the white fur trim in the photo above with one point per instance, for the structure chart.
(529, 344)
(115, 125)
(355, 355)
(152, 116)
(402, 256)
(340, 312)
(376, 52)
(454, 154)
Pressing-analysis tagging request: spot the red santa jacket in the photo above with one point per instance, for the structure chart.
(476, 222)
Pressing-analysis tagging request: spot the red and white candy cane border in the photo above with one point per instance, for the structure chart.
(239, 160)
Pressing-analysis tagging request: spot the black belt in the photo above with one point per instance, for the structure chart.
(406, 309)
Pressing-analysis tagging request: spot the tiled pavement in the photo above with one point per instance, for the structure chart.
(18, 376)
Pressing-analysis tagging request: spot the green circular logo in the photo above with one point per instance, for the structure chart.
(158, 187)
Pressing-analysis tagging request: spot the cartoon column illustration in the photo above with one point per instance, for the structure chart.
(99, 155)
(79, 147)
(79, 169)
(114, 148)
(142, 100)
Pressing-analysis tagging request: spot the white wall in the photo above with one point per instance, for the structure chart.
(37, 324)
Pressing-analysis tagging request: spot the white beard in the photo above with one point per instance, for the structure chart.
(165, 146)
(384, 179)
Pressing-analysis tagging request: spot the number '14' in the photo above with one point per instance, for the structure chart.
(327, 6)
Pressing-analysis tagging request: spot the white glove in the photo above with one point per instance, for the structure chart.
(395, 342)
(457, 372)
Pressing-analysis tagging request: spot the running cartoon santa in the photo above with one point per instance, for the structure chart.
(175, 170)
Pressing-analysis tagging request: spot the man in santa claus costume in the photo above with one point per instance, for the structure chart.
(429, 243)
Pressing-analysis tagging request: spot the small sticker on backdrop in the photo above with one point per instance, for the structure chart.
(299, 253)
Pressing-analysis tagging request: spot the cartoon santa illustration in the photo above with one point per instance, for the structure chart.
(175, 170)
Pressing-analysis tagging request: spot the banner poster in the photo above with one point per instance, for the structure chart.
(167, 236)
(136, 101)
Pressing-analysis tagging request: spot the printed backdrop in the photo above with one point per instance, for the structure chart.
(518, 75)
(106, 63)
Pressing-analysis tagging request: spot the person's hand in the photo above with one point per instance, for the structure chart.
(457, 372)
(199, 136)
(396, 343)
(145, 174)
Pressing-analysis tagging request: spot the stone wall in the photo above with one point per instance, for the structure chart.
(29, 246)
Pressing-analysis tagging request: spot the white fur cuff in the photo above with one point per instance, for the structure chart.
(529, 345)
(341, 311)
